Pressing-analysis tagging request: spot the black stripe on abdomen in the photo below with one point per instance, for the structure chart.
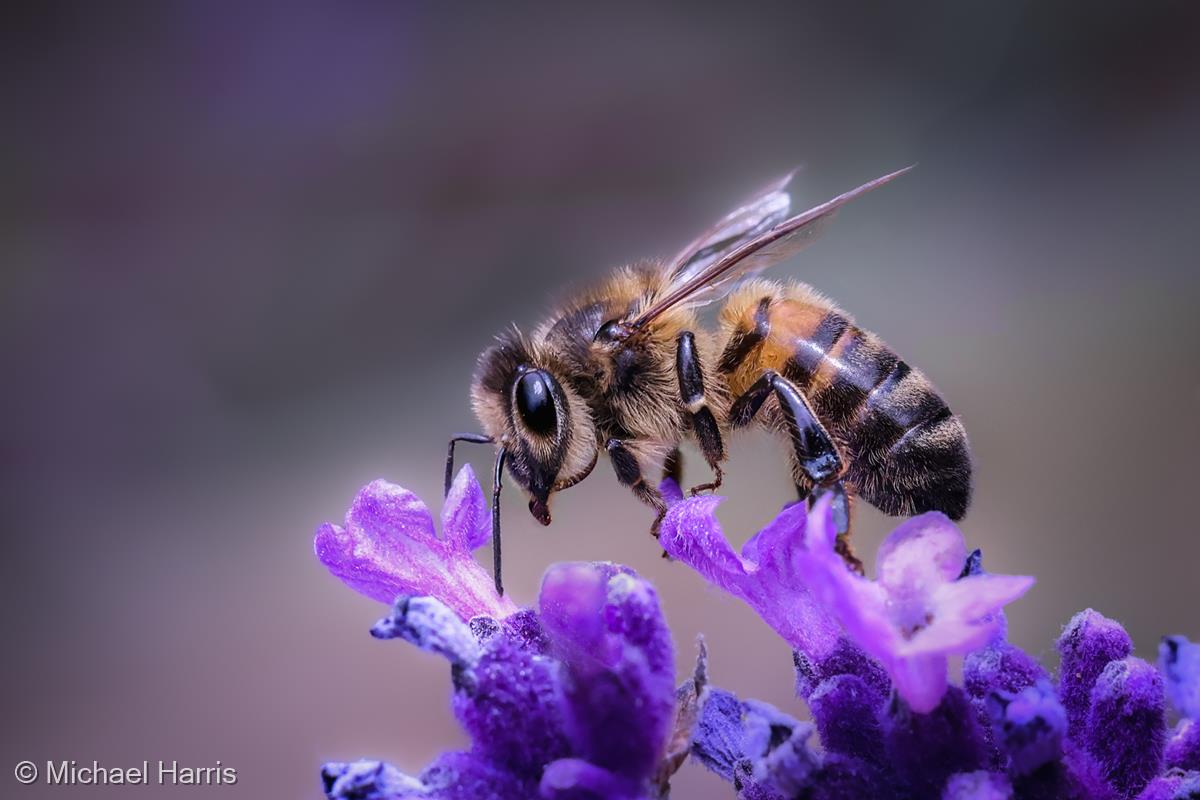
(862, 364)
(743, 342)
(909, 450)
(810, 351)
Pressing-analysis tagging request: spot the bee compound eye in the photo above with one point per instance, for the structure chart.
(535, 402)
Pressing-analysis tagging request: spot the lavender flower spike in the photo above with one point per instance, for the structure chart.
(764, 575)
(1126, 726)
(919, 611)
(389, 548)
(1087, 644)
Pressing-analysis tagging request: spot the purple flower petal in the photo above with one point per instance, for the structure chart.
(466, 519)
(766, 576)
(571, 603)
(965, 613)
(690, 533)
(388, 548)
(619, 690)
(771, 547)
(921, 680)
(922, 553)
(921, 613)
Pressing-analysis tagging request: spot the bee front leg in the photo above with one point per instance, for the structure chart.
(691, 393)
(629, 473)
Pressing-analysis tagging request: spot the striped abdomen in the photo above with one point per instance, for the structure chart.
(906, 452)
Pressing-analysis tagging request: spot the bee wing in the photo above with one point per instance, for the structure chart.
(759, 213)
(719, 275)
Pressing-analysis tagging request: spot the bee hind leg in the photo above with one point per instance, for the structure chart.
(841, 508)
(816, 455)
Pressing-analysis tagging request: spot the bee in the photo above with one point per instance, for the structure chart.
(626, 370)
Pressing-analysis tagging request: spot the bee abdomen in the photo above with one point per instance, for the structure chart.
(910, 451)
(907, 452)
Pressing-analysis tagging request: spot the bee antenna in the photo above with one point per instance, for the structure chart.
(472, 438)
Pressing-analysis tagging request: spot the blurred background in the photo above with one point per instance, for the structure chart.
(251, 251)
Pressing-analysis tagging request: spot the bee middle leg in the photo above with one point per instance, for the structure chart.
(629, 473)
(704, 424)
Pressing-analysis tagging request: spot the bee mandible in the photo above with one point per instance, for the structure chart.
(627, 370)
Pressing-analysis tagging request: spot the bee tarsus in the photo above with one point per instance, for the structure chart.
(840, 508)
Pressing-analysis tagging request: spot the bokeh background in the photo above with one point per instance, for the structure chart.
(250, 252)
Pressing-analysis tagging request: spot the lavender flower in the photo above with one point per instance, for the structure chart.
(765, 574)
(388, 547)
(1126, 728)
(576, 701)
(911, 619)
(1088, 643)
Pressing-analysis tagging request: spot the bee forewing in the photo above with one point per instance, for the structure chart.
(753, 255)
(760, 212)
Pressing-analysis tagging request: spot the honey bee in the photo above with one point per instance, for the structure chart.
(627, 369)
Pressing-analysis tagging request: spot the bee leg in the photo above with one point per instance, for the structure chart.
(704, 424)
(816, 454)
(841, 507)
(629, 473)
(473, 438)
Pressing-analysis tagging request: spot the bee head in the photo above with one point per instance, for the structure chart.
(526, 402)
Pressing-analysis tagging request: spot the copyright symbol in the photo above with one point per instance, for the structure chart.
(26, 772)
